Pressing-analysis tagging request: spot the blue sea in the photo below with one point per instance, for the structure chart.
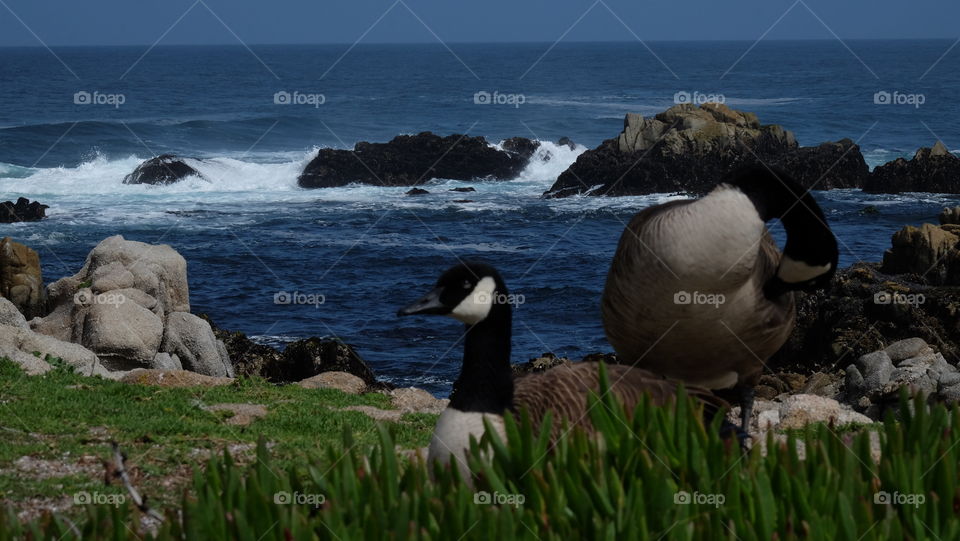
(74, 121)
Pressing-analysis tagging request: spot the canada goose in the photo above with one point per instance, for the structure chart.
(475, 294)
(698, 291)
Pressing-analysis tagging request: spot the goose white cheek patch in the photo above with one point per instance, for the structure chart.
(794, 272)
(475, 307)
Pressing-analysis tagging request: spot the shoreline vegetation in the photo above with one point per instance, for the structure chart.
(228, 438)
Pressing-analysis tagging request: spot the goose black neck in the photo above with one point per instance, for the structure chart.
(485, 383)
(776, 195)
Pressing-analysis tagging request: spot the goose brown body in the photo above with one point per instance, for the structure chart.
(719, 249)
(563, 391)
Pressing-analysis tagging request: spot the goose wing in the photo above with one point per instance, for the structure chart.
(564, 389)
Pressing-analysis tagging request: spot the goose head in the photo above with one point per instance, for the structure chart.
(469, 292)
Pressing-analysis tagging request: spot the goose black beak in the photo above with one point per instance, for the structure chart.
(429, 304)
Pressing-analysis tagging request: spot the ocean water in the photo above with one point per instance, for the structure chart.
(250, 234)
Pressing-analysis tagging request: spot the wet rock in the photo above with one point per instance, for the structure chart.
(933, 170)
(566, 141)
(417, 191)
(23, 210)
(689, 149)
(21, 280)
(410, 160)
(539, 364)
(464, 189)
(162, 170)
(312, 356)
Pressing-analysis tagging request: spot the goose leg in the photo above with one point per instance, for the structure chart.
(746, 395)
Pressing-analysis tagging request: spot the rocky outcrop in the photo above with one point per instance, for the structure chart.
(301, 360)
(874, 382)
(23, 210)
(21, 280)
(828, 166)
(35, 352)
(161, 170)
(928, 252)
(130, 305)
(409, 160)
(933, 170)
(689, 149)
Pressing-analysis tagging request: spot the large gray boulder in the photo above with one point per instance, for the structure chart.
(30, 350)
(121, 304)
(191, 339)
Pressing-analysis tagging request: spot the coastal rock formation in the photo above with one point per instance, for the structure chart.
(22, 211)
(863, 311)
(928, 252)
(31, 350)
(409, 160)
(689, 149)
(21, 280)
(828, 166)
(875, 380)
(130, 305)
(933, 170)
(162, 170)
(301, 360)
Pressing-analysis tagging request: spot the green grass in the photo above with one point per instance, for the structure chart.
(629, 483)
(62, 416)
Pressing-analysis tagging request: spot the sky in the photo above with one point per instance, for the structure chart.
(178, 22)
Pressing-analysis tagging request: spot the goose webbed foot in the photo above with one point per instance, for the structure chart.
(730, 430)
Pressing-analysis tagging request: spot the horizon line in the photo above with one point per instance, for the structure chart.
(435, 42)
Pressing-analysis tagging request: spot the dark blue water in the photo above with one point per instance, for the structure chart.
(251, 233)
